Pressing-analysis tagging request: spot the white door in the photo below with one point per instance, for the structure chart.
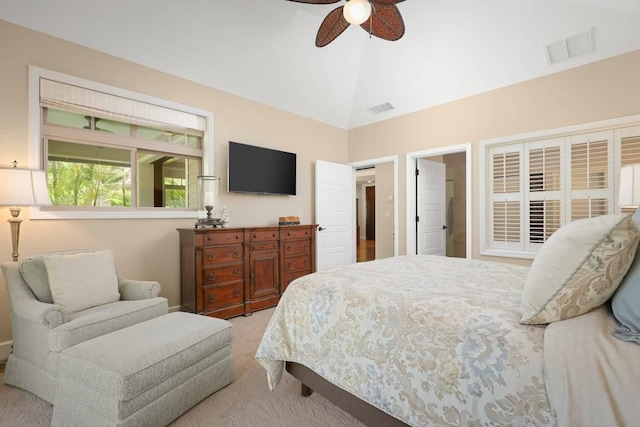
(335, 215)
(431, 207)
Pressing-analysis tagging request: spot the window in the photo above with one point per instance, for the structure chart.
(534, 185)
(114, 153)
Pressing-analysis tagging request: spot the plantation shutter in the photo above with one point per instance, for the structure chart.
(545, 190)
(591, 177)
(506, 198)
(629, 143)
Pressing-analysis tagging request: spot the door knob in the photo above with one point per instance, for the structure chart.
(320, 228)
(444, 227)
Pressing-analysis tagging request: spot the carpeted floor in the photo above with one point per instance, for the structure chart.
(245, 402)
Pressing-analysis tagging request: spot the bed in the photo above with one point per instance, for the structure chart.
(428, 340)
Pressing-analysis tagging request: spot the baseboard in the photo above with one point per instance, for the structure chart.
(174, 308)
(5, 349)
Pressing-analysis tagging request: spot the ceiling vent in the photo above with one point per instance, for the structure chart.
(381, 108)
(577, 45)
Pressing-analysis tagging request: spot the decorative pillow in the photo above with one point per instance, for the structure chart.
(625, 303)
(35, 276)
(578, 268)
(83, 280)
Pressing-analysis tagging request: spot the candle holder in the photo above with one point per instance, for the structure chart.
(208, 202)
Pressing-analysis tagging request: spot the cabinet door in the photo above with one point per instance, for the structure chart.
(264, 275)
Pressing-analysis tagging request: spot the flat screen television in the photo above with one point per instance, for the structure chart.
(260, 170)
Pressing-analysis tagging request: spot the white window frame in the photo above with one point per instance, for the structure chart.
(36, 148)
(568, 131)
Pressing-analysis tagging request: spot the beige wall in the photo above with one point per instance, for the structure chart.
(604, 90)
(147, 249)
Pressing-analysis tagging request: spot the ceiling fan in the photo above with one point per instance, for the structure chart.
(380, 18)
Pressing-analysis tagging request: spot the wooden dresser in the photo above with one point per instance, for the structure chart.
(226, 272)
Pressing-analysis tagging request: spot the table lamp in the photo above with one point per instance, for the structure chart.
(21, 187)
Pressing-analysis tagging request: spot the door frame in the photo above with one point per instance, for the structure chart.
(377, 161)
(411, 191)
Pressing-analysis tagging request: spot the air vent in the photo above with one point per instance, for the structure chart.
(381, 108)
(577, 45)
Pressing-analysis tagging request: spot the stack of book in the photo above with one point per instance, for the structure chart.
(289, 220)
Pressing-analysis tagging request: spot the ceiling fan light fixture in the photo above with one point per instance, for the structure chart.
(357, 11)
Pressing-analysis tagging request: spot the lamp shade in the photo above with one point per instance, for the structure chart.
(23, 187)
(629, 195)
(357, 11)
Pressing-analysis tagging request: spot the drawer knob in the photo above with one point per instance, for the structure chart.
(211, 276)
(305, 246)
(289, 264)
(209, 238)
(235, 253)
(289, 247)
(211, 256)
(236, 272)
(236, 292)
(211, 298)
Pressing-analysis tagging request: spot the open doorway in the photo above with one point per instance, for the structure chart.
(451, 215)
(376, 207)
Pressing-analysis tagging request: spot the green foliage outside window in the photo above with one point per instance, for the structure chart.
(87, 184)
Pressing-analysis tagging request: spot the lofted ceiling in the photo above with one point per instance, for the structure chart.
(265, 50)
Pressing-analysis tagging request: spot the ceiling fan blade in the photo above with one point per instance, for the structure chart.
(332, 26)
(375, 2)
(385, 22)
(315, 1)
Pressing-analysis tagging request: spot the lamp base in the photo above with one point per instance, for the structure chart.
(14, 223)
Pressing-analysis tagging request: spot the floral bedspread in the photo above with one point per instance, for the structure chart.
(430, 340)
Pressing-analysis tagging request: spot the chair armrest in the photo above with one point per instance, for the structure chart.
(131, 290)
(25, 305)
(50, 315)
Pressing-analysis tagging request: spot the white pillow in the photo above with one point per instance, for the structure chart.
(578, 268)
(83, 280)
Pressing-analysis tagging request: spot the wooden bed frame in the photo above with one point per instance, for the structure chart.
(359, 409)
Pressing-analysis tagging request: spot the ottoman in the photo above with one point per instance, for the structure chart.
(147, 374)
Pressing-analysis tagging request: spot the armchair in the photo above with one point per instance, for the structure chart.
(42, 329)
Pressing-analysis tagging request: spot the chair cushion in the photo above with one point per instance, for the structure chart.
(103, 319)
(83, 280)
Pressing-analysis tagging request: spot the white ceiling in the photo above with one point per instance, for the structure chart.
(264, 49)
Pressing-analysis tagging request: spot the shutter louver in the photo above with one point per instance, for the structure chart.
(590, 184)
(506, 222)
(545, 191)
(506, 218)
(629, 155)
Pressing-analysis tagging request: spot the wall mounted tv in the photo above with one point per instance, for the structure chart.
(260, 170)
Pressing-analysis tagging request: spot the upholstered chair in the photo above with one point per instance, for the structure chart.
(49, 315)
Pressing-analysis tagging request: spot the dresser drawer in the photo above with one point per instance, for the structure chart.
(222, 238)
(218, 275)
(290, 277)
(267, 246)
(263, 235)
(297, 233)
(221, 296)
(294, 263)
(297, 247)
(221, 254)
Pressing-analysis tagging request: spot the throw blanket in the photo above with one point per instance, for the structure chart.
(427, 339)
